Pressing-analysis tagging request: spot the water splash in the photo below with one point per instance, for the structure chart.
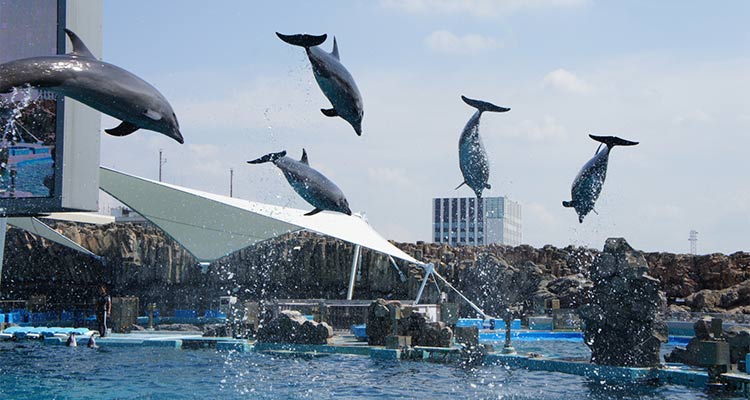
(11, 111)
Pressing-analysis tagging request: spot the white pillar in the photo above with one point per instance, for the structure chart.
(353, 276)
(3, 229)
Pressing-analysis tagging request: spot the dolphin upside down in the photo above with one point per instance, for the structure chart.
(588, 183)
(472, 157)
(334, 80)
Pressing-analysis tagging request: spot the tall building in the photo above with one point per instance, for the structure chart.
(472, 221)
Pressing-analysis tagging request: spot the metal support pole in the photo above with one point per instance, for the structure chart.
(3, 230)
(474, 306)
(428, 269)
(400, 274)
(353, 276)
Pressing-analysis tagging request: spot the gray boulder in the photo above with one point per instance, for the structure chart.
(379, 323)
(292, 327)
(623, 319)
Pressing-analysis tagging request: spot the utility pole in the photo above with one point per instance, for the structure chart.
(693, 239)
(162, 161)
(231, 181)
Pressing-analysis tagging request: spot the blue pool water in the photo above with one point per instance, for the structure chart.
(30, 178)
(32, 370)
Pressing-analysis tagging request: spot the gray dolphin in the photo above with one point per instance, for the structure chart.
(100, 85)
(588, 183)
(334, 80)
(315, 188)
(472, 158)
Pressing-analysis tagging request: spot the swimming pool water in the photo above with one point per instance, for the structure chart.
(31, 370)
(30, 177)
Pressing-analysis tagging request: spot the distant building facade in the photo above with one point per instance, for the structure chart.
(124, 214)
(471, 221)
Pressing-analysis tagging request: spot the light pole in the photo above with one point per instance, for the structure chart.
(162, 161)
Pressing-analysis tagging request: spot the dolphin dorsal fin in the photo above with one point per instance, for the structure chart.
(303, 160)
(79, 48)
(335, 51)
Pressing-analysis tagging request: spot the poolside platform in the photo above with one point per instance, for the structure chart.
(167, 339)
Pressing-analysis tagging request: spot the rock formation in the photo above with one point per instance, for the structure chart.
(292, 327)
(423, 333)
(623, 320)
(141, 261)
(379, 321)
(497, 285)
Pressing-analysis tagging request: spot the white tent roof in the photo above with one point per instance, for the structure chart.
(82, 217)
(211, 226)
(39, 228)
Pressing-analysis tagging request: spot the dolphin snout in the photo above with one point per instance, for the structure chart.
(176, 135)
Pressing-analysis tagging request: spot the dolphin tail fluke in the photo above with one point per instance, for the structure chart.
(303, 40)
(268, 158)
(567, 203)
(124, 129)
(462, 183)
(612, 141)
(313, 212)
(483, 105)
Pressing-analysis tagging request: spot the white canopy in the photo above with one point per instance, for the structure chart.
(39, 228)
(211, 226)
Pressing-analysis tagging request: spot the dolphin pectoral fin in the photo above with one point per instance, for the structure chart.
(124, 129)
(313, 212)
(567, 203)
(462, 183)
(79, 49)
(331, 112)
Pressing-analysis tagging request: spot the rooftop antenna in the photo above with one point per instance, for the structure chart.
(693, 239)
(162, 161)
(231, 181)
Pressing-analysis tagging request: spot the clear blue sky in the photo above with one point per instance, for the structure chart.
(670, 74)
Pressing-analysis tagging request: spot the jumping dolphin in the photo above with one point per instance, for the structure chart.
(100, 85)
(334, 80)
(588, 183)
(315, 188)
(472, 158)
